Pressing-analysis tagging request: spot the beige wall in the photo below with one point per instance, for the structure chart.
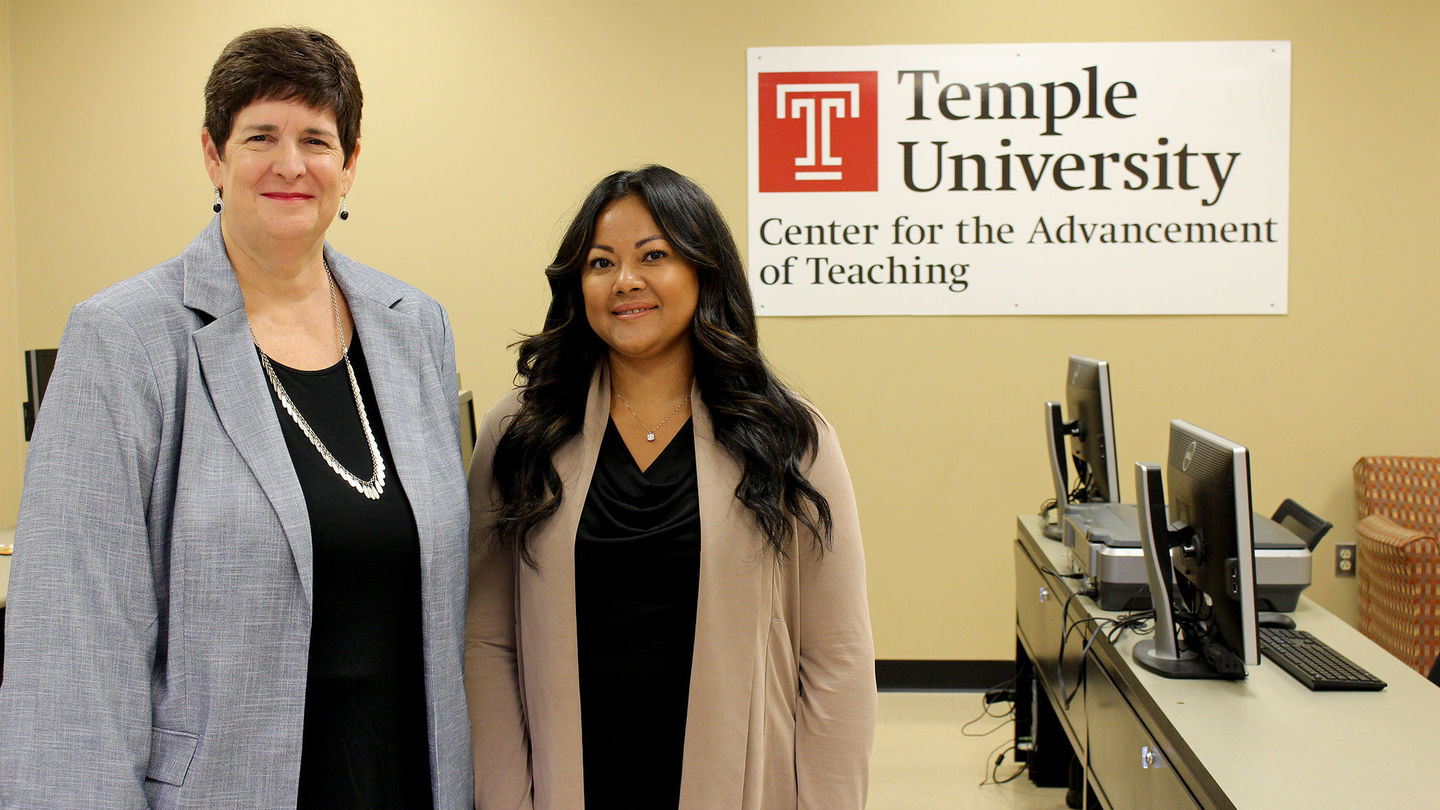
(12, 376)
(485, 123)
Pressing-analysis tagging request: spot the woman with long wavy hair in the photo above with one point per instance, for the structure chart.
(667, 599)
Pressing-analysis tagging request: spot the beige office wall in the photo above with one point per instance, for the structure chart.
(12, 376)
(486, 122)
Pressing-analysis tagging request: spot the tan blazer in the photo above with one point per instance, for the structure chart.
(782, 690)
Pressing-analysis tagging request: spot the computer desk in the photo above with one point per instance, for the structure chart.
(1263, 742)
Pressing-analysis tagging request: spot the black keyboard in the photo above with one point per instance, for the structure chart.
(1313, 662)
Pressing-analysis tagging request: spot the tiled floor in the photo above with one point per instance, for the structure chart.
(924, 761)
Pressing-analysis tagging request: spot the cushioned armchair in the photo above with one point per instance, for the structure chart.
(1398, 501)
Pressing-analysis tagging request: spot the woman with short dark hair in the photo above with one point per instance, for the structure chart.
(667, 604)
(239, 572)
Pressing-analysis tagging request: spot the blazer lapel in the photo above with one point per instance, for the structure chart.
(239, 392)
(547, 615)
(732, 615)
(397, 374)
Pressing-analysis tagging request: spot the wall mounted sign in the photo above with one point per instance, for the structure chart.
(1121, 178)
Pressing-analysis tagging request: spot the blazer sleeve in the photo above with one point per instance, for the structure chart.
(493, 690)
(81, 624)
(445, 361)
(835, 713)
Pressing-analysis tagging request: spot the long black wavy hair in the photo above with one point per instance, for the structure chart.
(765, 427)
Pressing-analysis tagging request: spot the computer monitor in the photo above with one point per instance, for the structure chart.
(1202, 559)
(467, 428)
(1091, 434)
(39, 363)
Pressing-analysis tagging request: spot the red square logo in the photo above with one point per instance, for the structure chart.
(819, 131)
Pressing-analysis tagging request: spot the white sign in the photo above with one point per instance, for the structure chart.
(1124, 178)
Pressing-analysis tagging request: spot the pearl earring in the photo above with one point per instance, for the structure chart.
(344, 212)
(218, 204)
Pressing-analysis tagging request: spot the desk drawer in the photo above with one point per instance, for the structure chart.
(1037, 612)
(1039, 600)
(1126, 765)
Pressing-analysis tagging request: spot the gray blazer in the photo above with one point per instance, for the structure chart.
(158, 622)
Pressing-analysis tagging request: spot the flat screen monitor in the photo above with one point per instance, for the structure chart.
(1092, 442)
(1202, 558)
(38, 365)
(467, 428)
(1089, 434)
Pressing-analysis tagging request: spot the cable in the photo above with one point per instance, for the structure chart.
(1080, 493)
(1065, 634)
(1046, 523)
(992, 772)
(1002, 692)
(1140, 622)
(1008, 717)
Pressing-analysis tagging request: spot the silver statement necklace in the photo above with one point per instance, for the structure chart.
(376, 485)
(649, 432)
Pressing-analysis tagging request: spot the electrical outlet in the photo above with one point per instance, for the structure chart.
(1344, 559)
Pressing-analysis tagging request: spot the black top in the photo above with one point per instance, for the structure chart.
(365, 742)
(637, 578)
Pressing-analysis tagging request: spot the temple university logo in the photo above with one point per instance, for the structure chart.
(818, 131)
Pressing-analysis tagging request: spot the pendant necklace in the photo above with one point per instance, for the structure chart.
(372, 488)
(650, 433)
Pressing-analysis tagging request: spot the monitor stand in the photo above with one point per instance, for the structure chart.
(1163, 654)
(1182, 664)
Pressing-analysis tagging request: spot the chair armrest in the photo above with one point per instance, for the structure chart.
(1390, 538)
(1399, 589)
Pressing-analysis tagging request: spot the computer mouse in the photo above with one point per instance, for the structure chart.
(1272, 619)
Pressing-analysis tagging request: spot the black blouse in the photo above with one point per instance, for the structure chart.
(366, 739)
(637, 579)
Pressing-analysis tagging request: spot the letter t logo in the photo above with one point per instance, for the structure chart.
(818, 131)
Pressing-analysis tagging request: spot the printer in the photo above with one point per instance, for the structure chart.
(1103, 540)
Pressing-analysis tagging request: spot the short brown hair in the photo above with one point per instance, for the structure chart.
(284, 64)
